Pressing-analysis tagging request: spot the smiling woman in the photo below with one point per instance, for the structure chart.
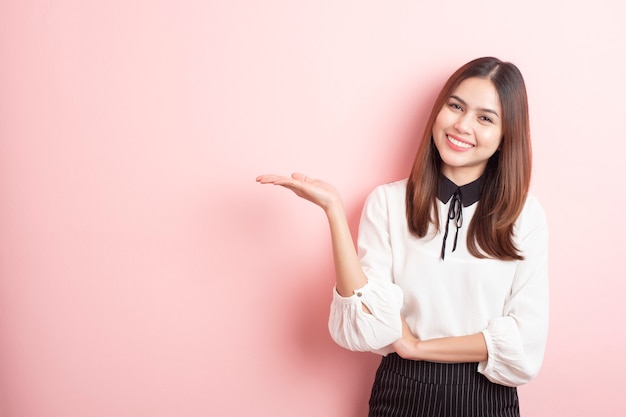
(468, 130)
(460, 324)
(492, 117)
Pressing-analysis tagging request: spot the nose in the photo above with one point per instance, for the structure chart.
(463, 124)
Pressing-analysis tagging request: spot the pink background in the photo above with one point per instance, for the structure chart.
(145, 273)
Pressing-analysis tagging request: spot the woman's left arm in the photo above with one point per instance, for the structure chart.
(516, 341)
(470, 348)
(510, 350)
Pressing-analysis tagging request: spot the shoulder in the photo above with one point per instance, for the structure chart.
(388, 197)
(390, 194)
(533, 208)
(391, 190)
(533, 215)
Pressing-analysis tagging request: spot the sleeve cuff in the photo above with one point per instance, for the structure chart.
(354, 329)
(356, 297)
(507, 363)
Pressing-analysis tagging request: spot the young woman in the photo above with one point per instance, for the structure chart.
(450, 282)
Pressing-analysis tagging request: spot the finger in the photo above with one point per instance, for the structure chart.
(280, 180)
(269, 178)
(404, 325)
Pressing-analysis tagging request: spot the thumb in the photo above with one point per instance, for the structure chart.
(298, 176)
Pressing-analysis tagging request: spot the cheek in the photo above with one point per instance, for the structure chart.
(440, 122)
(494, 139)
(498, 139)
(495, 147)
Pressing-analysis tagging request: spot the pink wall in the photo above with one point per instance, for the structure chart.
(144, 273)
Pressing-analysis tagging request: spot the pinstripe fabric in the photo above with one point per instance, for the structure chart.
(405, 388)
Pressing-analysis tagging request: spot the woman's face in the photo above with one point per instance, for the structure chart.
(468, 130)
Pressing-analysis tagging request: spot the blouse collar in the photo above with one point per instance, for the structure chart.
(470, 193)
(462, 196)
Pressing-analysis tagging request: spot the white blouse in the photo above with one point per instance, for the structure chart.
(462, 295)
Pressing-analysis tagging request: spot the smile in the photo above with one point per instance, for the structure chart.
(458, 143)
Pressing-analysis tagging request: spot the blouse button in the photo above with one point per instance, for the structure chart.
(359, 294)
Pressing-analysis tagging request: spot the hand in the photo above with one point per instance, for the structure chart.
(406, 346)
(317, 191)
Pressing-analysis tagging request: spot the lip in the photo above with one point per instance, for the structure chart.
(457, 147)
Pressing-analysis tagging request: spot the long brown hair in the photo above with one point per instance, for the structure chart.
(507, 175)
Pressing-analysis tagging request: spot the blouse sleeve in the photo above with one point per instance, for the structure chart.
(516, 341)
(350, 326)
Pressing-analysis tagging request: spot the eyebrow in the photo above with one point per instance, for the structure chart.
(465, 104)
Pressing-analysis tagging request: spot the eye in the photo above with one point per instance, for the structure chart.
(455, 106)
(486, 119)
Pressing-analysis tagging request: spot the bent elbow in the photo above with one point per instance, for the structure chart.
(366, 334)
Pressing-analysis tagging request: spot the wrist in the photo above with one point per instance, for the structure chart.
(334, 208)
(416, 349)
(412, 349)
(408, 348)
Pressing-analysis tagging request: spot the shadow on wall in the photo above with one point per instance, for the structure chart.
(302, 276)
(313, 341)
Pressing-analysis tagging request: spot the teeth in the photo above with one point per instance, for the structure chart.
(459, 143)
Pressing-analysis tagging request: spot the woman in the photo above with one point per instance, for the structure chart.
(450, 282)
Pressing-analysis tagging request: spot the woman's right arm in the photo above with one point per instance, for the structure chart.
(348, 272)
(365, 311)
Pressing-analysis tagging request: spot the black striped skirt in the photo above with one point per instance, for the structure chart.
(406, 388)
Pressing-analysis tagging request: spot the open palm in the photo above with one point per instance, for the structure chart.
(317, 191)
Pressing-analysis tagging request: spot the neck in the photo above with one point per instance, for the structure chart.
(462, 176)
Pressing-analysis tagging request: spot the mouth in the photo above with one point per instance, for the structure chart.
(459, 143)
